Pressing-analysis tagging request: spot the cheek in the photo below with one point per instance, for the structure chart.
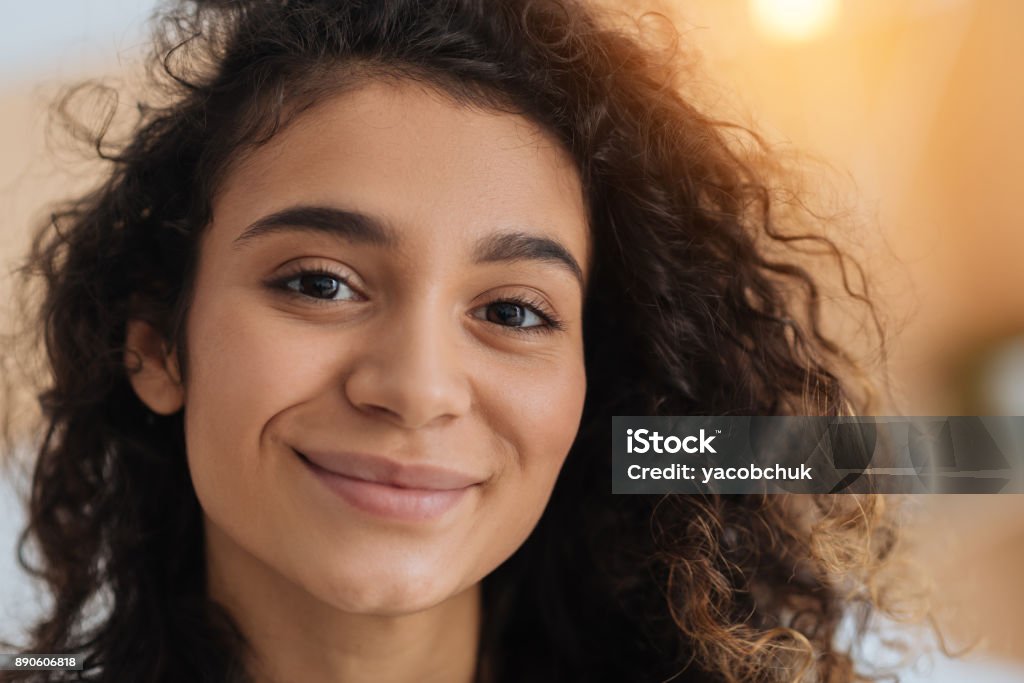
(542, 409)
(538, 414)
(547, 415)
(244, 368)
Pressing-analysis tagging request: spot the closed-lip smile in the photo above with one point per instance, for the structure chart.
(387, 488)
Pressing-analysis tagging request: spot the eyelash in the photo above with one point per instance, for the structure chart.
(551, 323)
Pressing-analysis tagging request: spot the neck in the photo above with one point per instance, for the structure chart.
(294, 636)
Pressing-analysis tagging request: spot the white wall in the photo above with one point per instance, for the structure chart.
(20, 601)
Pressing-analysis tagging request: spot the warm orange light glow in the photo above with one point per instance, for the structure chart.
(794, 19)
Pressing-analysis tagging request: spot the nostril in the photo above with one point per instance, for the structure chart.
(380, 411)
(411, 395)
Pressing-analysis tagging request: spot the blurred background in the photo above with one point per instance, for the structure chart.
(916, 108)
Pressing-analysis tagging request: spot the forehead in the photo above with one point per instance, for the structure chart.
(435, 169)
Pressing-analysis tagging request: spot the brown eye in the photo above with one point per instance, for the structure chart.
(512, 314)
(320, 286)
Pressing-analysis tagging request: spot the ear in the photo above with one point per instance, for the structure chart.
(153, 369)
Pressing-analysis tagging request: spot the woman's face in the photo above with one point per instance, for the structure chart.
(385, 346)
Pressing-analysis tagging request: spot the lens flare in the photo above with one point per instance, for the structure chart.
(794, 20)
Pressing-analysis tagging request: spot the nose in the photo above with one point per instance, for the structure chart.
(413, 372)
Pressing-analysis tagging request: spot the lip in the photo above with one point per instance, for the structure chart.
(385, 488)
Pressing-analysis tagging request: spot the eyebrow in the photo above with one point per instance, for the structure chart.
(361, 228)
(350, 225)
(521, 246)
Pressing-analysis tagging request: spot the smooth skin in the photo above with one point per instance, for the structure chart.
(418, 331)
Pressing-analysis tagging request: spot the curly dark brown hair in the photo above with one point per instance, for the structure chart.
(700, 303)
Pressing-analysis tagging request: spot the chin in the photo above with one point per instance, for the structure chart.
(389, 588)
